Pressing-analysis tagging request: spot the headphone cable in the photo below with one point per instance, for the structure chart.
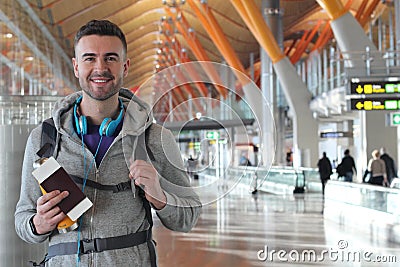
(86, 174)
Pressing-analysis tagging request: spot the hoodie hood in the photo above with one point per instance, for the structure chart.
(137, 117)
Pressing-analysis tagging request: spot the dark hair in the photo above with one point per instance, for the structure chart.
(347, 152)
(102, 28)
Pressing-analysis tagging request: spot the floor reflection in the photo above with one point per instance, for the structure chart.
(236, 229)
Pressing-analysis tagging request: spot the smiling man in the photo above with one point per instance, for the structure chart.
(94, 129)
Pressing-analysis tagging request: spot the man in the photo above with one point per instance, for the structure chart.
(106, 151)
(325, 170)
(390, 166)
(348, 165)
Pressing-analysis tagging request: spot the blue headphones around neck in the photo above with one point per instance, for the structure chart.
(107, 127)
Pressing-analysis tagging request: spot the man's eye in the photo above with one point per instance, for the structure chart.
(111, 59)
(88, 59)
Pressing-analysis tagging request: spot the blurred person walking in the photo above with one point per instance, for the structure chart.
(347, 166)
(325, 170)
(377, 168)
(391, 171)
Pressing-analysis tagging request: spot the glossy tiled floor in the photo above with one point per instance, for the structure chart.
(242, 229)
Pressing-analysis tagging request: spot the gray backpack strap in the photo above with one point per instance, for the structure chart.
(143, 150)
(48, 140)
(146, 141)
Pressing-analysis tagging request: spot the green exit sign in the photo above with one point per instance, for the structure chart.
(394, 119)
(212, 135)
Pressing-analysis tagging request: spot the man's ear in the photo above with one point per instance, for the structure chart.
(126, 67)
(75, 64)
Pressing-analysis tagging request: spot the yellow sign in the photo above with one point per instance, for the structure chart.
(376, 87)
(375, 104)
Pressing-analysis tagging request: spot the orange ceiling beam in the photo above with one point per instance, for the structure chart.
(334, 8)
(324, 33)
(328, 37)
(168, 77)
(211, 72)
(195, 45)
(289, 49)
(179, 91)
(162, 57)
(254, 20)
(178, 75)
(366, 16)
(214, 30)
(176, 46)
(179, 81)
(361, 10)
(304, 46)
(299, 45)
(195, 78)
(176, 105)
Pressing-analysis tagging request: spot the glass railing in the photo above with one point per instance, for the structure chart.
(312, 180)
(25, 110)
(277, 179)
(364, 195)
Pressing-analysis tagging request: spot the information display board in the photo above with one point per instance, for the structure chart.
(373, 88)
(381, 103)
(335, 134)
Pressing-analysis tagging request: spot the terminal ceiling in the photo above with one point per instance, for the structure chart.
(141, 22)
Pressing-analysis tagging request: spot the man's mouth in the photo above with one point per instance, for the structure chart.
(100, 80)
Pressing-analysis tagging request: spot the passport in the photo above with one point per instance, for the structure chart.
(52, 176)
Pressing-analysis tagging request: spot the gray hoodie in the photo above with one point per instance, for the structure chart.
(112, 214)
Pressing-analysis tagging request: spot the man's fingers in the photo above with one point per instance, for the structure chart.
(43, 199)
(139, 162)
(141, 168)
(51, 199)
(141, 182)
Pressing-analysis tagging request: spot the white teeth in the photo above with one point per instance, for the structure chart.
(100, 81)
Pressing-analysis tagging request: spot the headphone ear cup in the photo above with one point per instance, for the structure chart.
(80, 121)
(104, 127)
(112, 126)
(108, 126)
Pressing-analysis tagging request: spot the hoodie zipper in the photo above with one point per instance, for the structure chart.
(90, 228)
(91, 259)
(119, 137)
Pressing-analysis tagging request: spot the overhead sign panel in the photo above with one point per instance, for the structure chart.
(369, 104)
(374, 88)
(335, 134)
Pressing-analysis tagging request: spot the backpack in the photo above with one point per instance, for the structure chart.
(340, 170)
(49, 138)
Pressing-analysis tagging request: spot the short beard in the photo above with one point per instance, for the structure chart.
(109, 95)
(102, 98)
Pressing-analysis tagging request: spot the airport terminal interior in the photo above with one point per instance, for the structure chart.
(254, 91)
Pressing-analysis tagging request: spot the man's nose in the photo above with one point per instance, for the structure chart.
(101, 65)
